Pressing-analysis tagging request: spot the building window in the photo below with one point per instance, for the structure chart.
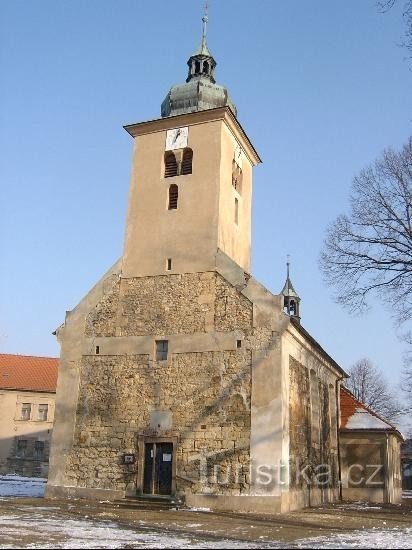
(25, 411)
(161, 350)
(21, 450)
(39, 448)
(169, 264)
(173, 196)
(97, 350)
(187, 162)
(236, 211)
(170, 165)
(238, 343)
(43, 412)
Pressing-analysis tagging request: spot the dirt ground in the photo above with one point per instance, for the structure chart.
(200, 525)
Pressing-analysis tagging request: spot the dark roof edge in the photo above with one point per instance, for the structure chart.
(32, 390)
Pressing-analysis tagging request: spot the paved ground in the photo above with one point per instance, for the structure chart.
(36, 523)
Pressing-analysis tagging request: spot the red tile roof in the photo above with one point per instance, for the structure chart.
(356, 415)
(25, 372)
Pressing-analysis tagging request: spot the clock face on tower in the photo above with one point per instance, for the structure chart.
(176, 138)
(238, 156)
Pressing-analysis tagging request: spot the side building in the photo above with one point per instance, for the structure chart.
(27, 400)
(370, 454)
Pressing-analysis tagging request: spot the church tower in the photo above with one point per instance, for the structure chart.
(180, 375)
(191, 183)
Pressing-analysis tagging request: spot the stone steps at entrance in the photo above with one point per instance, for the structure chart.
(149, 503)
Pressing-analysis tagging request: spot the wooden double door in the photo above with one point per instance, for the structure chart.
(158, 468)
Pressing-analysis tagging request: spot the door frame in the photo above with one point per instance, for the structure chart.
(141, 442)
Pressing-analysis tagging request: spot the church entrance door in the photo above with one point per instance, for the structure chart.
(158, 462)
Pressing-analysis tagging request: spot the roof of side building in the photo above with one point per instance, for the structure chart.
(29, 373)
(355, 415)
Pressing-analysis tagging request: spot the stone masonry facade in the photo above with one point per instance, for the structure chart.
(207, 392)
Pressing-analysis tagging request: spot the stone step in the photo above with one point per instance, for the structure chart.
(148, 503)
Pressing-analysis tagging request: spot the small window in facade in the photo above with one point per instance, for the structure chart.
(173, 196)
(39, 448)
(97, 350)
(236, 211)
(169, 264)
(26, 411)
(43, 412)
(205, 67)
(170, 165)
(238, 343)
(187, 162)
(162, 347)
(21, 450)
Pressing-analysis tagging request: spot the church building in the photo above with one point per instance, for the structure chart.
(180, 375)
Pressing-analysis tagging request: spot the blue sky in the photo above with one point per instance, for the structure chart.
(321, 88)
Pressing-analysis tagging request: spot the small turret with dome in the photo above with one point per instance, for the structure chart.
(200, 91)
(291, 299)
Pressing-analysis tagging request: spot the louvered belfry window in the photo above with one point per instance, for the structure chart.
(187, 162)
(170, 165)
(173, 196)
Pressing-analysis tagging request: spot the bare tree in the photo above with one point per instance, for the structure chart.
(369, 251)
(386, 5)
(406, 378)
(369, 386)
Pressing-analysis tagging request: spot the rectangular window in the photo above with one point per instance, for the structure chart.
(21, 448)
(43, 412)
(25, 411)
(161, 350)
(97, 350)
(169, 264)
(236, 211)
(39, 450)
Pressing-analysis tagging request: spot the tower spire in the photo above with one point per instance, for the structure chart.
(200, 91)
(291, 299)
(205, 20)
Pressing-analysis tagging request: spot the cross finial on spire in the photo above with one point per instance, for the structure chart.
(287, 264)
(205, 19)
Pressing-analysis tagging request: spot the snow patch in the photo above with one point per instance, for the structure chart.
(17, 486)
(364, 420)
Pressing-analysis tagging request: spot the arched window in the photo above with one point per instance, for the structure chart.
(173, 196)
(197, 67)
(205, 67)
(170, 165)
(187, 162)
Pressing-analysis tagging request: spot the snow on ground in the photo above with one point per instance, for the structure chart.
(16, 486)
(52, 531)
(49, 527)
(370, 538)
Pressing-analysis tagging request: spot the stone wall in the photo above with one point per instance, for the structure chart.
(208, 392)
(313, 449)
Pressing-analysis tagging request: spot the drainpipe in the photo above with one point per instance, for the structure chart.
(338, 381)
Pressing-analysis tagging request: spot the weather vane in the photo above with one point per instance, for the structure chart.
(205, 18)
